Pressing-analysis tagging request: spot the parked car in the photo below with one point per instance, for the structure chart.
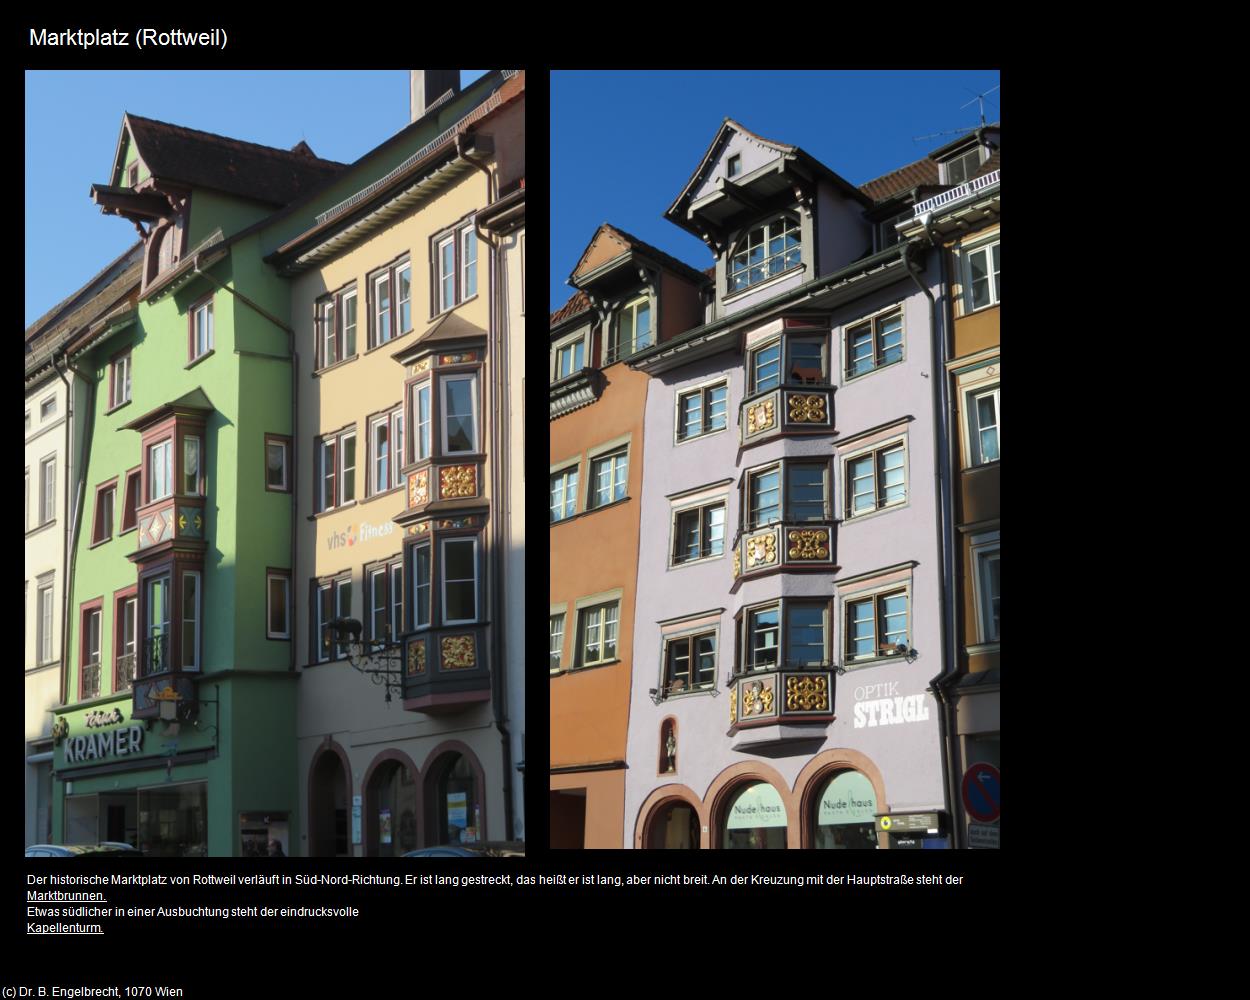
(105, 849)
(502, 849)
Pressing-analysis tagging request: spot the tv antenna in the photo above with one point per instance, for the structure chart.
(961, 131)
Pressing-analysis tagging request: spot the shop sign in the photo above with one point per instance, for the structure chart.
(759, 805)
(848, 798)
(982, 836)
(364, 532)
(96, 746)
(882, 705)
(98, 719)
(911, 822)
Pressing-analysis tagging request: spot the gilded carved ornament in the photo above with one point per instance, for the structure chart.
(458, 652)
(757, 699)
(809, 543)
(733, 706)
(761, 550)
(807, 694)
(457, 481)
(737, 562)
(416, 657)
(421, 366)
(760, 416)
(807, 409)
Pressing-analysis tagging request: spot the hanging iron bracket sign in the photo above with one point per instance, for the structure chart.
(374, 659)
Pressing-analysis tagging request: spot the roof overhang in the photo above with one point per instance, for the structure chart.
(142, 206)
(448, 332)
(208, 253)
(193, 404)
(951, 221)
(504, 215)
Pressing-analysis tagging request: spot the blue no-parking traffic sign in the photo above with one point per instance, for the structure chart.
(981, 792)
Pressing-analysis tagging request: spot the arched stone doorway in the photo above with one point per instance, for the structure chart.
(392, 806)
(329, 798)
(455, 790)
(753, 817)
(674, 827)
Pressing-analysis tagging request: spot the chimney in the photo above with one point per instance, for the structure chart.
(426, 86)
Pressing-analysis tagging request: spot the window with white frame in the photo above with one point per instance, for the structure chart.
(459, 412)
(90, 687)
(47, 409)
(336, 327)
(702, 411)
(766, 251)
(961, 167)
(790, 633)
(390, 294)
(764, 497)
(119, 380)
(763, 635)
(699, 533)
(556, 644)
(608, 477)
(876, 625)
(631, 330)
(384, 599)
(421, 411)
(765, 367)
(690, 662)
(598, 633)
(277, 463)
(277, 604)
(982, 282)
(421, 586)
(160, 470)
(875, 343)
(47, 490)
(985, 549)
(191, 466)
(102, 527)
(459, 574)
(570, 357)
(386, 442)
(190, 620)
(455, 263)
(876, 479)
(43, 625)
(130, 503)
(335, 465)
(201, 329)
(332, 599)
(983, 420)
(564, 494)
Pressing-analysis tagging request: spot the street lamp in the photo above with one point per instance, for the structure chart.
(379, 659)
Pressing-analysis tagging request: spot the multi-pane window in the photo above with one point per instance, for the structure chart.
(386, 441)
(421, 586)
(332, 599)
(763, 638)
(384, 596)
(876, 479)
(382, 327)
(335, 464)
(191, 466)
(805, 492)
(963, 166)
(459, 572)
(157, 618)
(90, 654)
(764, 493)
(47, 409)
(564, 494)
(102, 529)
(766, 367)
(701, 411)
(44, 624)
(47, 490)
(599, 628)
(984, 283)
(608, 476)
(632, 330)
(455, 262)
(336, 328)
(987, 571)
(201, 329)
(160, 470)
(807, 360)
(403, 298)
(190, 621)
(278, 604)
(806, 634)
(985, 426)
(130, 503)
(570, 358)
(766, 251)
(459, 402)
(557, 640)
(690, 662)
(277, 456)
(422, 412)
(119, 380)
(127, 643)
(874, 344)
(875, 626)
(699, 533)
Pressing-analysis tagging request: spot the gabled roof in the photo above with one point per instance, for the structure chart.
(246, 169)
(921, 174)
(578, 304)
(631, 242)
(194, 401)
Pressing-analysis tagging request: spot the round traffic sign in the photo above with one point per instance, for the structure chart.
(981, 792)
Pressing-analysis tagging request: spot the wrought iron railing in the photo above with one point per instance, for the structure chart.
(91, 679)
(125, 672)
(155, 658)
(627, 348)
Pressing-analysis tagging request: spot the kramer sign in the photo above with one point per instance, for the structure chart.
(96, 746)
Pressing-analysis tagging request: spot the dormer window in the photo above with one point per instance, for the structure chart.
(765, 252)
(632, 330)
(735, 165)
(963, 167)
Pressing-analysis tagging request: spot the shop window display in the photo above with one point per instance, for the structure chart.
(845, 814)
(756, 818)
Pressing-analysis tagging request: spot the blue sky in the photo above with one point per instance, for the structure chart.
(623, 144)
(73, 119)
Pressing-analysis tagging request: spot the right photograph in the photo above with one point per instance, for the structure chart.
(774, 434)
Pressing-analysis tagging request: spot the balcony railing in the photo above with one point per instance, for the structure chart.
(628, 348)
(155, 656)
(91, 679)
(947, 198)
(125, 672)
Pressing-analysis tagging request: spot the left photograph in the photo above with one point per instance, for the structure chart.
(274, 516)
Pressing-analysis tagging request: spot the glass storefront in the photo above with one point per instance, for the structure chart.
(392, 805)
(845, 811)
(459, 809)
(173, 820)
(756, 818)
